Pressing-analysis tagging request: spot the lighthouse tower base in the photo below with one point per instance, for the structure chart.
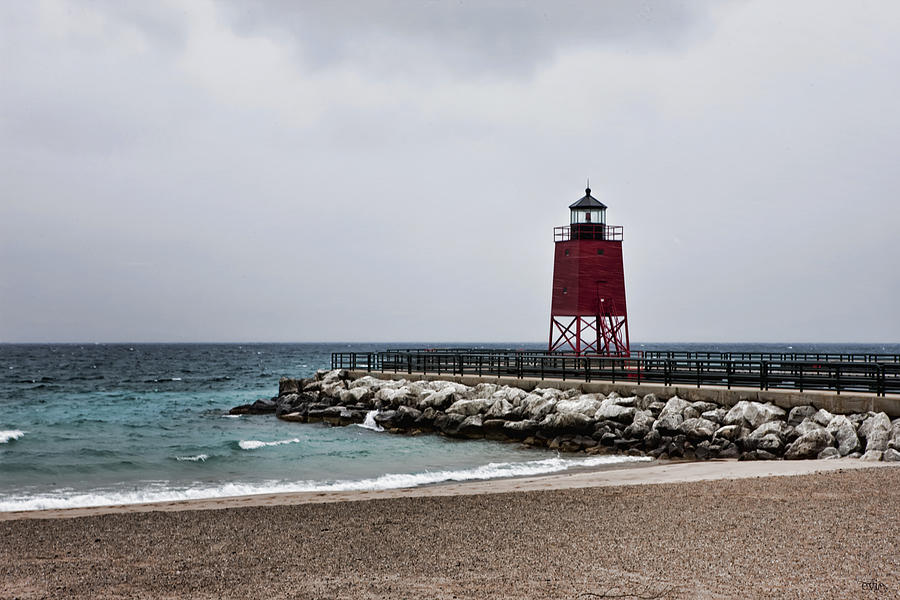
(603, 335)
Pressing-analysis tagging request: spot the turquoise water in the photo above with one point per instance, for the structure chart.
(84, 425)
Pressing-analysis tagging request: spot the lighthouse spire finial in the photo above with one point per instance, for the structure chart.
(588, 188)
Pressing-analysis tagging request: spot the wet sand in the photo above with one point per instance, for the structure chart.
(578, 535)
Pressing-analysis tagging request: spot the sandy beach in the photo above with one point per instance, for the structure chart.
(720, 529)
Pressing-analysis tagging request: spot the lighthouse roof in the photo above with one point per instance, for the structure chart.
(588, 201)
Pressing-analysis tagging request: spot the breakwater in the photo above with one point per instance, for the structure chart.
(569, 420)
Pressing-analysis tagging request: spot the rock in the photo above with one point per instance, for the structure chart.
(895, 435)
(798, 413)
(872, 455)
(809, 444)
(262, 406)
(608, 409)
(807, 426)
(751, 455)
(443, 398)
(891, 455)
(771, 443)
(645, 402)
(288, 385)
(828, 453)
(731, 451)
(669, 422)
(640, 425)
(877, 432)
(844, 434)
(690, 413)
(752, 414)
(357, 394)
(494, 429)
(765, 455)
(702, 406)
(387, 396)
(405, 417)
(777, 428)
(385, 418)
(586, 405)
(698, 429)
(652, 439)
(568, 422)
(468, 408)
(500, 409)
(822, 417)
(447, 424)
(608, 439)
(629, 401)
(717, 416)
(702, 452)
(656, 407)
(520, 429)
(537, 407)
(729, 432)
(674, 405)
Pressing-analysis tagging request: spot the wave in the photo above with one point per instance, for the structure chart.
(369, 422)
(10, 435)
(160, 492)
(198, 458)
(231, 416)
(254, 444)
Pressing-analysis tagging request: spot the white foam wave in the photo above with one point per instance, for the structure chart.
(9, 435)
(254, 444)
(231, 416)
(161, 492)
(199, 457)
(369, 422)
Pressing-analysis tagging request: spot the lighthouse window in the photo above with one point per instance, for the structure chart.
(600, 251)
(565, 290)
(567, 251)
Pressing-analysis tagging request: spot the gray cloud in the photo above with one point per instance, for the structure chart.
(267, 172)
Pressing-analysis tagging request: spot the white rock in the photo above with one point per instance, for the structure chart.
(608, 409)
(586, 405)
(822, 417)
(698, 429)
(844, 433)
(469, 408)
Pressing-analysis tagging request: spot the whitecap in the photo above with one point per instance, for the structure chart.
(198, 458)
(231, 416)
(10, 435)
(162, 492)
(254, 444)
(369, 422)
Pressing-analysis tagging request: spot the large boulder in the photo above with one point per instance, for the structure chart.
(895, 435)
(585, 404)
(570, 422)
(891, 455)
(807, 426)
(753, 414)
(471, 427)
(406, 417)
(822, 417)
(468, 408)
(640, 425)
(260, 407)
(717, 415)
(356, 395)
(520, 429)
(844, 434)
(289, 385)
(779, 429)
(771, 443)
(798, 413)
(728, 432)
(877, 432)
(501, 409)
(537, 407)
(809, 445)
(447, 424)
(698, 429)
(671, 416)
(610, 409)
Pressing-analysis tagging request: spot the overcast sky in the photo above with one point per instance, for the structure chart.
(392, 171)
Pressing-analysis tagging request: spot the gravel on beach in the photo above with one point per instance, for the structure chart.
(812, 536)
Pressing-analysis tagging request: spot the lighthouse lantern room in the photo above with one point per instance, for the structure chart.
(588, 313)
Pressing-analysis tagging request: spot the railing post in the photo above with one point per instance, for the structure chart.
(730, 368)
(542, 367)
(764, 375)
(837, 383)
(587, 369)
(369, 362)
(564, 368)
(800, 376)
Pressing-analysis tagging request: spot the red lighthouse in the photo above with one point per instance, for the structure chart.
(588, 313)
